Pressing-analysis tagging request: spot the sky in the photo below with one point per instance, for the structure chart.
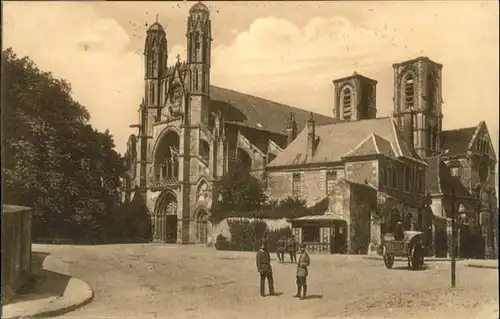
(289, 52)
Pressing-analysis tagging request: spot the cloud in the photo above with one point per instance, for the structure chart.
(73, 42)
(295, 64)
(287, 61)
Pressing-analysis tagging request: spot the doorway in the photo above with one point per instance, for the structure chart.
(338, 238)
(171, 229)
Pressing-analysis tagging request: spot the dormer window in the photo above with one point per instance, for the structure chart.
(409, 91)
(346, 102)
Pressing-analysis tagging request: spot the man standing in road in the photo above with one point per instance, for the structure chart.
(280, 249)
(302, 272)
(265, 270)
(292, 249)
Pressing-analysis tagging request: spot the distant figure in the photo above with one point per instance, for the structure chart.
(399, 234)
(292, 249)
(302, 272)
(280, 249)
(265, 270)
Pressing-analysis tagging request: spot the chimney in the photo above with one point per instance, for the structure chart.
(291, 129)
(311, 136)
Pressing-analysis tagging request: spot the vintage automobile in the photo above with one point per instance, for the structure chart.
(410, 245)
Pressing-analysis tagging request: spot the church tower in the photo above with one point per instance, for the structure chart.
(355, 98)
(191, 164)
(417, 104)
(155, 67)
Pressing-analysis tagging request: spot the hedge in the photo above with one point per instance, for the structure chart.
(247, 235)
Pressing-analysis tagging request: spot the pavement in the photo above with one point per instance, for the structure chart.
(47, 293)
(171, 281)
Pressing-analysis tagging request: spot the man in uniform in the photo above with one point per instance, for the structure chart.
(292, 249)
(302, 272)
(265, 270)
(280, 249)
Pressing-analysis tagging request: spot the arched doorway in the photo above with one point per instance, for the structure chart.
(165, 218)
(201, 220)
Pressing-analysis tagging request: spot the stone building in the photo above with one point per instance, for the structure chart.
(191, 132)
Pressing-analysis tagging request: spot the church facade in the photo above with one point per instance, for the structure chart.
(190, 133)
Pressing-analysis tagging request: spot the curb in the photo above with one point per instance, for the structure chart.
(65, 304)
(481, 266)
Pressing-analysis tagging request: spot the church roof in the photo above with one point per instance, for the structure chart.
(258, 113)
(345, 139)
(457, 141)
(439, 179)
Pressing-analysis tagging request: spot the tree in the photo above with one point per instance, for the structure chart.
(236, 192)
(53, 160)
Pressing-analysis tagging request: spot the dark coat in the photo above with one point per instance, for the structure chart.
(302, 265)
(281, 245)
(264, 261)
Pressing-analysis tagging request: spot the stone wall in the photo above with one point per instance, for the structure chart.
(16, 248)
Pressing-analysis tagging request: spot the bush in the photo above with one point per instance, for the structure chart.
(246, 234)
(221, 243)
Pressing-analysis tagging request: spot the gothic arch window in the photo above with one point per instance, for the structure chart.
(431, 91)
(409, 90)
(197, 45)
(346, 102)
(152, 97)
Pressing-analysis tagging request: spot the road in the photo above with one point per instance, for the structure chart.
(170, 281)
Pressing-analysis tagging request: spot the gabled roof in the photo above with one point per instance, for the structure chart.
(335, 141)
(457, 141)
(372, 145)
(258, 113)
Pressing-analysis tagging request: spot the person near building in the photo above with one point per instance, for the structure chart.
(292, 249)
(265, 270)
(302, 272)
(280, 249)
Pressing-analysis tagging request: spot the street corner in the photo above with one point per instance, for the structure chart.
(54, 295)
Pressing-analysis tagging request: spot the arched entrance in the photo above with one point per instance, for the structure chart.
(201, 220)
(165, 218)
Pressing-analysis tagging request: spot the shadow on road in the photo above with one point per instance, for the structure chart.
(424, 267)
(313, 297)
(42, 283)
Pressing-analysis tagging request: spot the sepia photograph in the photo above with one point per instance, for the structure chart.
(250, 159)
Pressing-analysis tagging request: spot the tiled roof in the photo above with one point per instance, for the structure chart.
(372, 145)
(337, 140)
(251, 111)
(457, 141)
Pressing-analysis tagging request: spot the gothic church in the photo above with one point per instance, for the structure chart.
(190, 133)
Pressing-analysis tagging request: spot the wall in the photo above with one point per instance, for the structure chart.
(223, 228)
(361, 171)
(363, 202)
(16, 248)
(279, 184)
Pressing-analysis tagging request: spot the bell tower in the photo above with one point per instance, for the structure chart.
(417, 104)
(192, 166)
(155, 67)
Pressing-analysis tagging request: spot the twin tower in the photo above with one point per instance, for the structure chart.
(417, 102)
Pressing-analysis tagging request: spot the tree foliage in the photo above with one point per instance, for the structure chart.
(239, 194)
(237, 191)
(53, 160)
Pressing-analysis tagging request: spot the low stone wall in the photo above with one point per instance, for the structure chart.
(223, 227)
(16, 248)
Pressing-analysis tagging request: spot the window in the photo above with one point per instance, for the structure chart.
(310, 234)
(296, 185)
(409, 89)
(346, 103)
(407, 179)
(152, 94)
(394, 182)
(331, 178)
